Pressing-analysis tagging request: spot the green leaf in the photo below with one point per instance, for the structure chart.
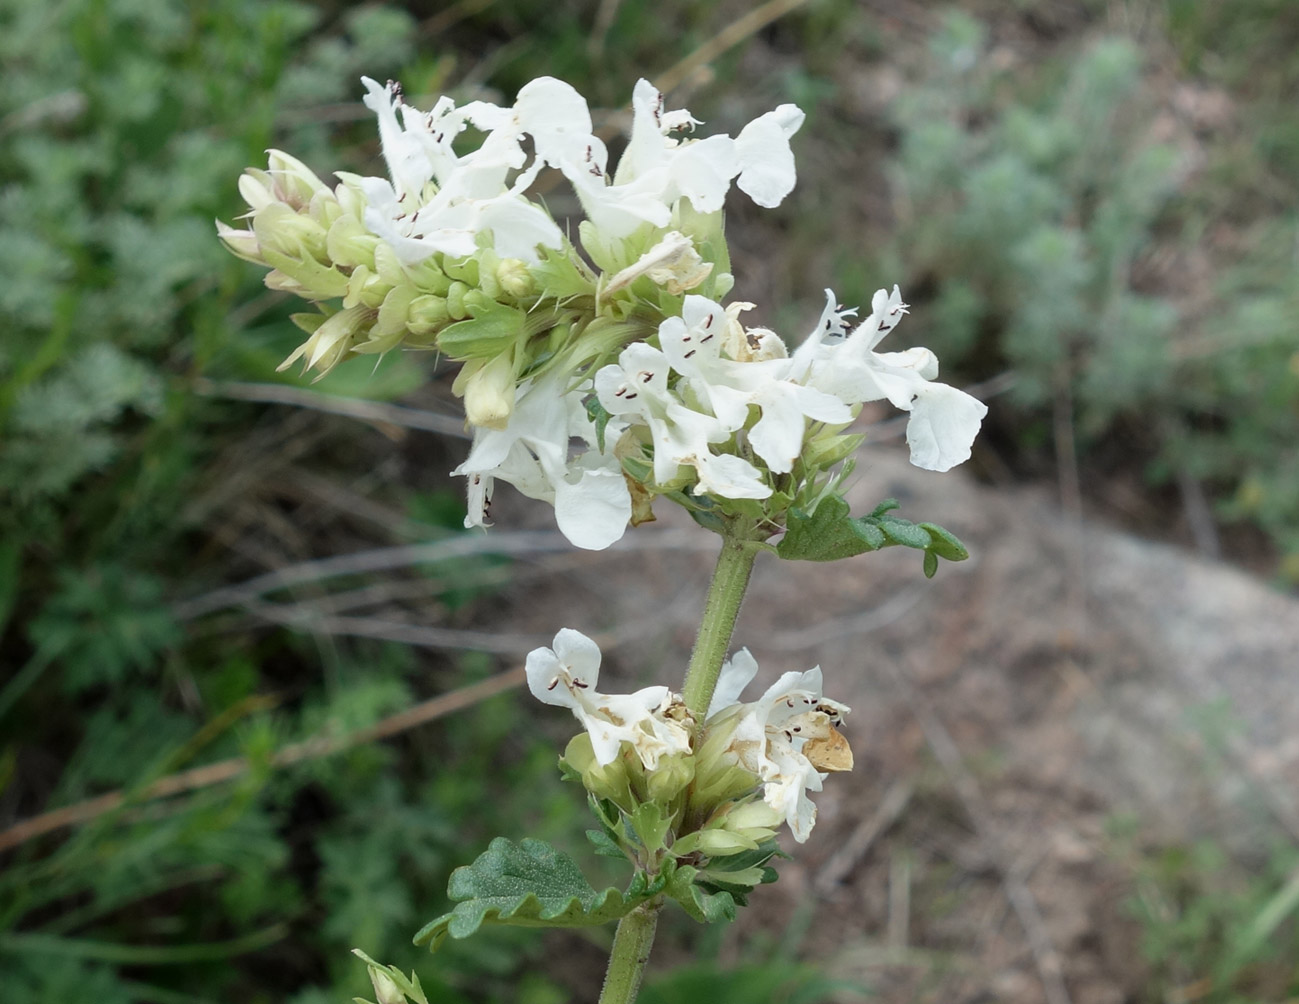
(604, 844)
(558, 274)
(529, 884)
(945, 544)
(828, 534)
(599, 417)
(492, 329)
(651, 824)
(904, 532)
(713, 907)
(931, 564)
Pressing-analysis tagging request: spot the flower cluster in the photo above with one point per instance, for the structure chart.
(595, 379)
(646, 747)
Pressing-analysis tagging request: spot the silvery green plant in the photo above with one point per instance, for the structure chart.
(625, 345)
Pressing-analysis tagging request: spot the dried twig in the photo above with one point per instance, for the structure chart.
(729, 37)
(859, 842)
(405, 555)
(228, 770)
(377, 412)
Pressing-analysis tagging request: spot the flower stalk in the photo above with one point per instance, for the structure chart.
(722, 607)
(631, 951)
(635, 935)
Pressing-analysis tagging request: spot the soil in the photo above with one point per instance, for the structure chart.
(1008, 717)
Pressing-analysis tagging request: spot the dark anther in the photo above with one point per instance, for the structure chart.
(553, 683)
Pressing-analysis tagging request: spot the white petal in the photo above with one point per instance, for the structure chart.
(944, 422)
(556, 116)
(543, 668)
(766, 162)
(737, 672)
(579, 655)
(518, 227)
(594, 512)
(702, 171)
(729, 477)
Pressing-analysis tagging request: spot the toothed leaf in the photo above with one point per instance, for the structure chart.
(529, 884)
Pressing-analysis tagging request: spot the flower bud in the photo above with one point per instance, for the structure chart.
(828, 448)
(755, 815)
(456, 300)
(240, 242)
(349, 244)
(717, 843)
(364, 287)
(610, 781)
(427, 315)
(488, 390)
(514, 278)
(385, 990)
(669, 777)
(294, 182)
(331, 338)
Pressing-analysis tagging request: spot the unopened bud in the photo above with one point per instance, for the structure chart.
(670, 776)
(456, 300)
(488, 391)
(610, 781)
(716, 843)
(294, 182)
(349, 244)
(385, 990)
(331, 339)
(240, 242)
(514, 278)
(427, 315)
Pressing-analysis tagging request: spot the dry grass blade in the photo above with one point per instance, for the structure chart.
(227, 770)
(375, 412)
(729, 37)
(403, 556)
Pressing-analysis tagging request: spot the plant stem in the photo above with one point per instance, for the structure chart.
(631, 950)
(635, 936)
(730, 580)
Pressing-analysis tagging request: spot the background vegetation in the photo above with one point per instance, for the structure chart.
(1094, 207)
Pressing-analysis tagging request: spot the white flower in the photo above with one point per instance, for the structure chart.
(944, 420)
(592, 503)
(566, 676)
(656, 169)
(693, 344)
(770, 734)
(438, 200)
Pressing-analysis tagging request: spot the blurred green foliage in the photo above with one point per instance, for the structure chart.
(1048, 215)
(1031, 202)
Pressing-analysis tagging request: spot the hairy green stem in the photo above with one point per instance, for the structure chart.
(730, 580)
(631, 950)
(635, 936)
